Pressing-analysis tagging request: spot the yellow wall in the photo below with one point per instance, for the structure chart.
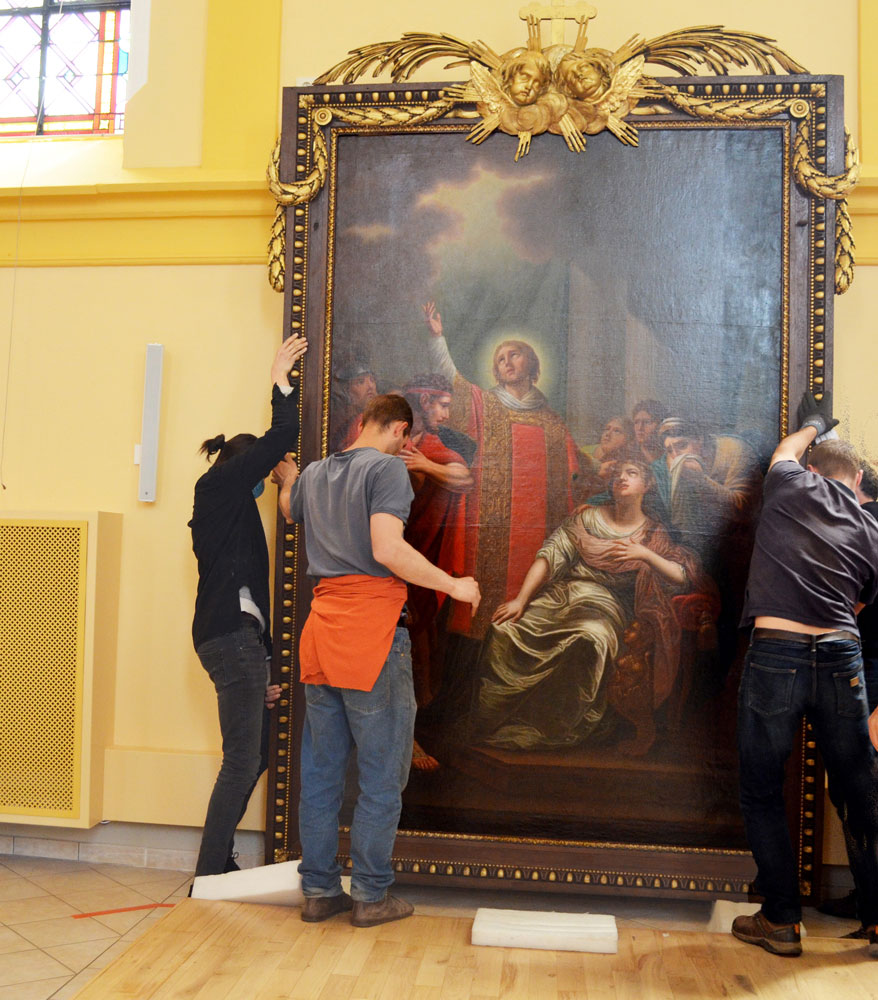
(109, 244)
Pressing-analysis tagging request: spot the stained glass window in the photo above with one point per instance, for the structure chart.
(63, 66)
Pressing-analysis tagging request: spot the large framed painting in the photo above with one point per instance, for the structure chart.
(600, 307)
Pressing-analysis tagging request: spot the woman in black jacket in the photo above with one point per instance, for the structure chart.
(232, 629)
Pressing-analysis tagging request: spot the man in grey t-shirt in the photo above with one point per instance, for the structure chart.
(815, 563)
(355, 660)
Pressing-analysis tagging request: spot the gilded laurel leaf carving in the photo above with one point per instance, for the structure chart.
(573, 91)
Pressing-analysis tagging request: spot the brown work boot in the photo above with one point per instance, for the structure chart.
(317, 908)
(779, 939)
(382, 912)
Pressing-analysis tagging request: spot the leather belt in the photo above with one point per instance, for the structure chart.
(801, 637)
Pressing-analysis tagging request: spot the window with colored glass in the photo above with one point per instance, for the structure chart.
(63, 67)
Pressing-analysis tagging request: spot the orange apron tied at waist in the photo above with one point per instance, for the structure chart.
(350, 630)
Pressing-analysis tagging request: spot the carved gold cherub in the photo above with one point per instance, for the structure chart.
(602, 86)
(572, 92)
(517, 95)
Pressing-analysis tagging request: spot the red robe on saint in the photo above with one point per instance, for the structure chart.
(524, 473)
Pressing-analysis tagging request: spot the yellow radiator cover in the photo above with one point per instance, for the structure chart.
(56, 592)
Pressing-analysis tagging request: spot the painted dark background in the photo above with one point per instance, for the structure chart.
(635, 272)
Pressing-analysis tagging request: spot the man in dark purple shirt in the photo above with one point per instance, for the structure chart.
(845, 907)
(814, 565)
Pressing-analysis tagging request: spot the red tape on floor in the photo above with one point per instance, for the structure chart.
(124, 909)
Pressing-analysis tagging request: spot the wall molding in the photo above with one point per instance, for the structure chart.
(147, 224)
(215, 223)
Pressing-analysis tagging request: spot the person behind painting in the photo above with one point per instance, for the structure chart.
(647, 417)
(617, 440)
(440, 478)
(709, 485)
(708, 482)
(556, 641)
(524, 472)
(867, 622)
(353, 386)
(231, 628)
(815, 564)
(355, 663)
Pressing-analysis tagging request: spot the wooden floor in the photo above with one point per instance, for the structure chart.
(232, 951)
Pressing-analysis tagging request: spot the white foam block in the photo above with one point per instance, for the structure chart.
(277, 885)
(724, 911)
(547, 930)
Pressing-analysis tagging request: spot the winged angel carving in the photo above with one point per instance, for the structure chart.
(572, 91)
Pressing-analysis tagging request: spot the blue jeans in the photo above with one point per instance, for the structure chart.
(781, 682)
(380, 725)
(236, 663)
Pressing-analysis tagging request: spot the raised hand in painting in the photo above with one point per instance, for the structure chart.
(434, 320)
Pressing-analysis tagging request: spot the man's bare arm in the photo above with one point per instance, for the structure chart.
(393, 551)
(284, 474)
(794, 446)
(814, 417)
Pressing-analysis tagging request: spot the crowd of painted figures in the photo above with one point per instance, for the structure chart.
(606, 568)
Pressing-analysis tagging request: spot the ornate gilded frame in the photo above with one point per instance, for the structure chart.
(819, 169)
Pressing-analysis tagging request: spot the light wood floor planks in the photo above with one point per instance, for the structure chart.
(233, 951)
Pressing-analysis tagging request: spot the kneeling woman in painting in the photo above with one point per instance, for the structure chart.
(556, 642)
(231, 629)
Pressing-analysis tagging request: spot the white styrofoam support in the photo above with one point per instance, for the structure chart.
(547, 930)
(277, 885)
(723, 912)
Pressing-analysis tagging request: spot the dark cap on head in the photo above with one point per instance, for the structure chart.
(346, 370)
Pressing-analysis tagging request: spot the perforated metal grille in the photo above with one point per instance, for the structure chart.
(42, 616)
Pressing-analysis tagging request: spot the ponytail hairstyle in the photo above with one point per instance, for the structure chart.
(227, 449)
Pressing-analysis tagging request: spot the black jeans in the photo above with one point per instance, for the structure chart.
(236, 663)
(782, 681)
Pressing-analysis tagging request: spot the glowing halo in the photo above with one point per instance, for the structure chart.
(548, 368)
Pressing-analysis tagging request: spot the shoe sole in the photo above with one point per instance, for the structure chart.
(786, 949)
